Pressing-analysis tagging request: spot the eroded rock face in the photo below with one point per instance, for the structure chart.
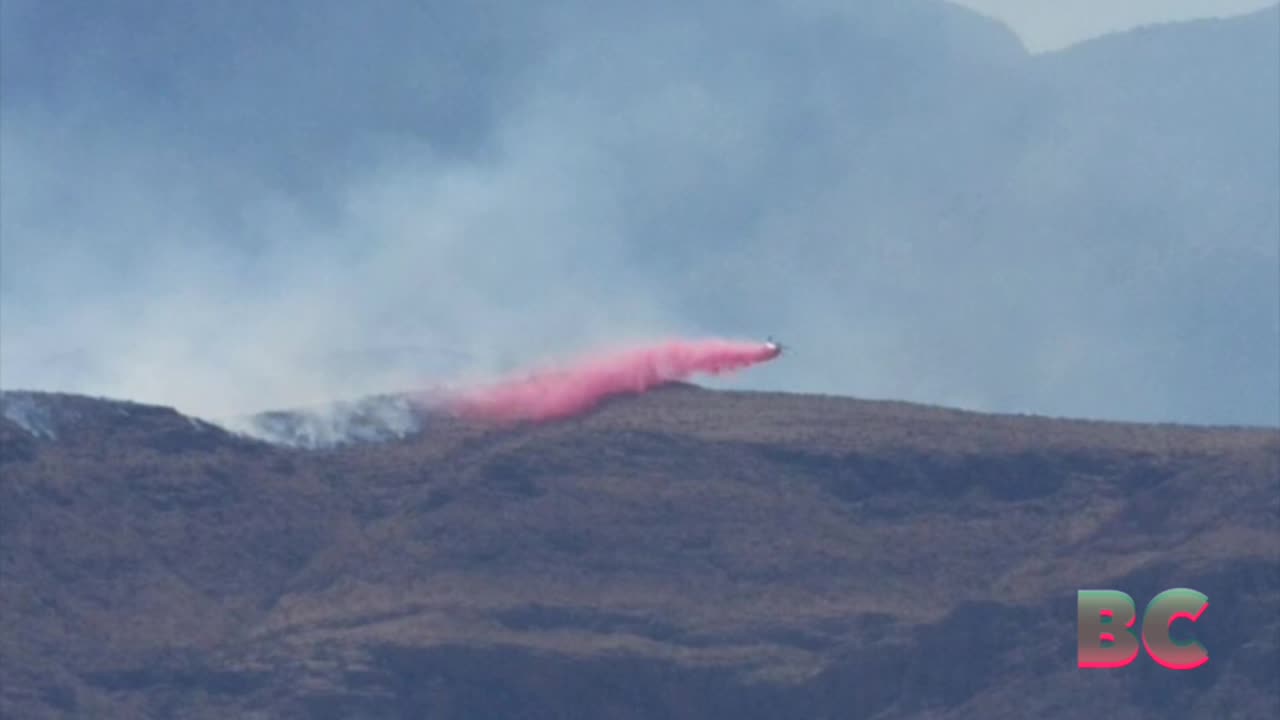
(684, 554)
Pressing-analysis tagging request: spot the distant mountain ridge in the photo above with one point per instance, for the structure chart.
(950, 219)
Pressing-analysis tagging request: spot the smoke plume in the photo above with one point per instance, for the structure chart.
(581, 385)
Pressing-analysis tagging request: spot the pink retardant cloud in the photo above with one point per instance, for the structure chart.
(579, 386)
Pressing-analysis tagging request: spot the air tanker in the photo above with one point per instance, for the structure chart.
(774, 347)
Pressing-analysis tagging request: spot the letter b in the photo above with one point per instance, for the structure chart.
(1106, 619)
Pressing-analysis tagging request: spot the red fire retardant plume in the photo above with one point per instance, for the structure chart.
(580, 386)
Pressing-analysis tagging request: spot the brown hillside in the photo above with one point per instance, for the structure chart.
(688, 553)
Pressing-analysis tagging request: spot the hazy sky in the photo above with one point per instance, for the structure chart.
(1052, 24)
(237, 206)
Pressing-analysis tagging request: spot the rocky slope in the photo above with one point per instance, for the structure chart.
(689, 553)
